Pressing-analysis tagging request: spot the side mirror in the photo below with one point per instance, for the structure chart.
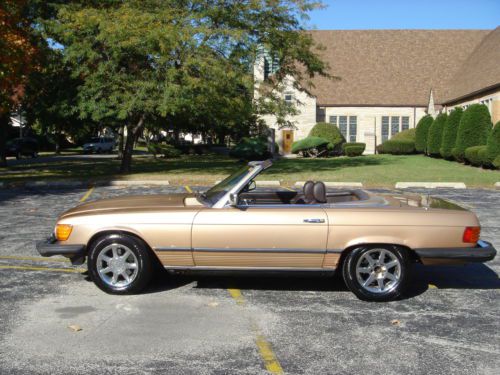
(233, 199)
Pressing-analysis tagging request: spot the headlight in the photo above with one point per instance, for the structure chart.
(63, 231)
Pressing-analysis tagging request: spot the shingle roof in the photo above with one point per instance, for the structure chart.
(480, 71)
(391, 67)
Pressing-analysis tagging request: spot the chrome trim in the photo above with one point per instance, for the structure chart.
(314, 220)
(334, 251)
(172, 249)
(228, 268)
(258, 250)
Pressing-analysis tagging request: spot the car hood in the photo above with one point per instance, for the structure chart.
(129, 204)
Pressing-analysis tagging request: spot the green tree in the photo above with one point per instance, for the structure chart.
(435, 135)
(450, 130)
(473, 130)
(422, 132)
(144, 59)
(493, 145)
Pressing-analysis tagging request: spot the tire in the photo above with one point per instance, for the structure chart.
(363, 276)
(123, 251)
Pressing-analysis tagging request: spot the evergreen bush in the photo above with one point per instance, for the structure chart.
(331, 133)
(435, 134)
(450, 130)
(473, 130)
(422, 132)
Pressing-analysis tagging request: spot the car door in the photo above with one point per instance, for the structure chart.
(280, 236)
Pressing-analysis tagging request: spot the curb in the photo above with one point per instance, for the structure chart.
(55, 184)
(133, 183)
(430, 185)
(497, 184)
(334, 184)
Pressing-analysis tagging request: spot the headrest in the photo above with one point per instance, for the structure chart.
(319, 192)
(308, 191)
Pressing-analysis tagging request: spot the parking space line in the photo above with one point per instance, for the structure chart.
(87, 194)
(265, 350)
(34, 259)
(188, 189)
(432, 286)
(29, 268)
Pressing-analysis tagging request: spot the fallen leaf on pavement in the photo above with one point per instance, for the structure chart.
(75, 327)
(395, 322)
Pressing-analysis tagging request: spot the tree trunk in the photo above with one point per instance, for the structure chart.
(4, 123)
(133, 132)
(58, 141)
(121, 135)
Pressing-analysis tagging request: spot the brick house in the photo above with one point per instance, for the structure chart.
(389, 79)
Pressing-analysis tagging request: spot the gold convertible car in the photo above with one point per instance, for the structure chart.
(372, 239)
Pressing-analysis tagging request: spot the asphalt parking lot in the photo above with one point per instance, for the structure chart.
(201, 324)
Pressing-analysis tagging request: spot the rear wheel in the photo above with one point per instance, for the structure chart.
(120, 264)
(377, 273)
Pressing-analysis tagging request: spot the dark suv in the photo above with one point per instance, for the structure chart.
(19, 147)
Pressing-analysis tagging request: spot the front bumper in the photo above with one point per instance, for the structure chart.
(482, 252)
(51, 247)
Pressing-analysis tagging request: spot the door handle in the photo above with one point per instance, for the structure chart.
(314, 220)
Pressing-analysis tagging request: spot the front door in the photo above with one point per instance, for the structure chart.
(287, 141)
(260, 237)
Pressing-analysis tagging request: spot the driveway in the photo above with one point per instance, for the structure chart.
(53, 320)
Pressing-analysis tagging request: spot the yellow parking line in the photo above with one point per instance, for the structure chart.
(34, 259)
(68, 270)
(289, 189)
(265, 350)
(87, 194)
(188, 189)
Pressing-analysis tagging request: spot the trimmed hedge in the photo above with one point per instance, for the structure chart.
(397, 147)
(493, 145)
(251, 149)
(473, 129)
(353, 148)
(331, 133)
(450, 130)
(164, 149)
(350, 144)
(473, 155)
(309, 144)
(435, 134)
(408, 134)
(422, 132)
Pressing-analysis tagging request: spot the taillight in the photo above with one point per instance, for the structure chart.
(471, 234)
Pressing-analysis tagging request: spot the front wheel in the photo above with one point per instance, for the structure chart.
(120, 264)
(377, 273)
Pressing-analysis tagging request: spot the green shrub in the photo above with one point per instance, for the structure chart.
(435, 135)
(354, 149)
(492, 145)
(349, 144)
(331, 133)
(473, 129)
(408, 134)
(311, 146)
(496, 162)
(450, 130)
(472, 155)
(251, 149)
(422, 132)
(397, 147)
(166, 150)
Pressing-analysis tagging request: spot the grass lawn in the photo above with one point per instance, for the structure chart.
(371, 170)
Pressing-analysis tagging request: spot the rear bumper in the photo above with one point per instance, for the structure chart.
(51, 247)
(482, 252)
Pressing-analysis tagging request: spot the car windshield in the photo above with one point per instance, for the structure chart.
(219, 190)
(94, 140)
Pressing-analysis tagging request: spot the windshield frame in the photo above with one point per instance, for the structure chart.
(233, 184)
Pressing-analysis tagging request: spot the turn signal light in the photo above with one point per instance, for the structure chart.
(471, 234)
(63, 231)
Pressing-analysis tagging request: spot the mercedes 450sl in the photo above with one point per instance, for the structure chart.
(372, 239)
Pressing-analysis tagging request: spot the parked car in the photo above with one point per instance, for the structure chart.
(99, 144)
(372, 239)
(20, 147)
